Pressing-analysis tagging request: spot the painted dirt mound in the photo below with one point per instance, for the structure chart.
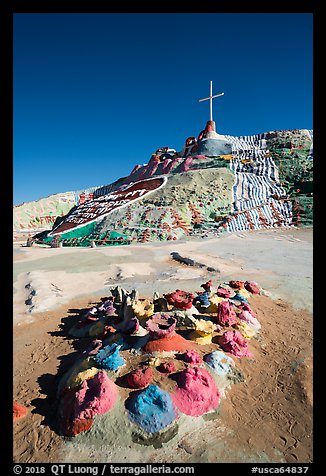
(158, 372)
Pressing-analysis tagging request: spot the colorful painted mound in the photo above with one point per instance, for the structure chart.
(221, 363)
(152, 409)
(196, 393)
(79, 405)
(261, 181)
(169, 366)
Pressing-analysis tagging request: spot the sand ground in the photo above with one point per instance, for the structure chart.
(267, 417)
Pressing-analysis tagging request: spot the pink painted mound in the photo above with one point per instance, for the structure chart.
(236, 284)
(19, 411)
(95, 395)
(180, 299)
(223, 292)
(250, 319)
(245, 307)
(225, 314)
(196, 393)
(160, 325)
(71, 426)
(140, 378)
(166, 367)
(235, 343)
(192, 357)
(172, 343)
(252, 287)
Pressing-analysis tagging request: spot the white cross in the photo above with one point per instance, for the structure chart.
(211, 100)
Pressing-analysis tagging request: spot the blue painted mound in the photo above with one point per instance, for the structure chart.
(152, 409)
(109, 358)
(219, 362)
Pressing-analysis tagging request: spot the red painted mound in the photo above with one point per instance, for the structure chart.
(166, 367)
(19, 411)
(180, 299)
(140, 378)
(172, 343)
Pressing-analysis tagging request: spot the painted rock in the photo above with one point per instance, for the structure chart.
(160, 325)
(143, 308)
(245, 307)
(235, 343)
(77, 426)
(107, 306)
(172, 343)
(192, 357)
(93, 347)
(180, 299)
(69, 424)
(244, 293)
(252, 287)
(152, 409)
(77, 379)
(248, 331)
(19, 411)
(213, 303)
(202, 299)
(96, 395)
(166, 367)
(109, 358)
(247, 317)
(236, 284)
(140, 378)
(223, 292)
(207, 286)
(239, 297)
(196, 392)
(225, 314)
(221, 363)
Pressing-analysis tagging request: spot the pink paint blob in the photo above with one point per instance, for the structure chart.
(235, 343)
(192, 357)
(223, 292)
(95, 395)
(196, 392)
(250, 319)
(245, 307)
(166, 367)
(225, 314)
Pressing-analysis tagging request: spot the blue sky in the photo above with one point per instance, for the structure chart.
(95, 94)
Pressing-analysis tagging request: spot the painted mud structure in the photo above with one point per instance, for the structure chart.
(216, 183)
(147, 376)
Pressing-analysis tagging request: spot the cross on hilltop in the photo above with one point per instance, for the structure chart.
(211, 97)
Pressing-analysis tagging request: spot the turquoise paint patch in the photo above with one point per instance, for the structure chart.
(109, 358)
(152, 409)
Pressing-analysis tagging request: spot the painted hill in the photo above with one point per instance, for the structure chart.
(217, 183)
